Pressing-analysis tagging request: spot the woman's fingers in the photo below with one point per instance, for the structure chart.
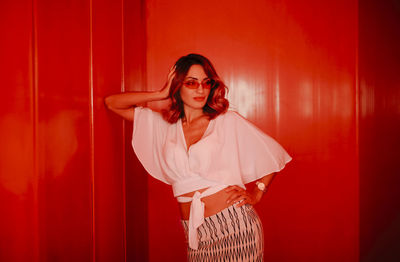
(165, 90)
(242, 203)
(231, 188)
(240, 196)
(234, 197)
(237, 194)
(235, 191)
(171, 72)
(171, 76)
(242, 200)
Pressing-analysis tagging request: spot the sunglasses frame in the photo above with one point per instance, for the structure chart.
(197, 83)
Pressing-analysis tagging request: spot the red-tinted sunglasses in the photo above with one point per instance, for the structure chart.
(193, 84)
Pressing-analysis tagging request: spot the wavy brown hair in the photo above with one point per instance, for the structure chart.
(216, 102)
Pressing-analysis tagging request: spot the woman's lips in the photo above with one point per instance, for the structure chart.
(200, 98)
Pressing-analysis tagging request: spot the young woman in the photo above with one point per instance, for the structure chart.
(207, 154)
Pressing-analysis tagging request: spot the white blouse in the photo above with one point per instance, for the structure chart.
(232, 151)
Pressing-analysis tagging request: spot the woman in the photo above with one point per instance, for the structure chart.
(207, 154)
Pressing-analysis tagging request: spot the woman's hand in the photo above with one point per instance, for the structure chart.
(165, 91)
(241, 195)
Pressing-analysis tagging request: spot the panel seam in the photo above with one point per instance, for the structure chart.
(91, 127)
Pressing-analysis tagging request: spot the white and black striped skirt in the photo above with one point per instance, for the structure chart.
(233, 234)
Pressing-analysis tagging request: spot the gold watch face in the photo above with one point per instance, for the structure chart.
(261, 186)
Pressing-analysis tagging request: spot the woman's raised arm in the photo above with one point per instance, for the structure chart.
(123, 104)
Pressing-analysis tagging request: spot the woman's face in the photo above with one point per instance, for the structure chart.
(196, 88)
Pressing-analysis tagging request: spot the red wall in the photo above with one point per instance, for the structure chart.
(63, 121)
(379, 59)
(320, 77)
(63, 168)
(291, 69)
(18, 170)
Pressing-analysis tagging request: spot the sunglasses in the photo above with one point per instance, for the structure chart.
(193, 84)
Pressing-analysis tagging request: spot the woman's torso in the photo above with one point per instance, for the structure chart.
(213, 203)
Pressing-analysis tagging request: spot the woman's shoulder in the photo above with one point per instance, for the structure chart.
(231, 115)
(150, 114)
(229, 120)
(234, 120)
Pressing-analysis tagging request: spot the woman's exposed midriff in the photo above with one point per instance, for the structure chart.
(213, 203)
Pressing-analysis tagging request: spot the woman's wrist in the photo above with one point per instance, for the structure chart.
(161, 95)
(258, 194)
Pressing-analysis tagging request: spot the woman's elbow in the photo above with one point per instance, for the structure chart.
(108, 102)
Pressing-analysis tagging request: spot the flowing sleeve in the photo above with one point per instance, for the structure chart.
(258, 153)
(148, 138)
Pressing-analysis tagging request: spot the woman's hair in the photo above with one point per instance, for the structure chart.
(216, 102)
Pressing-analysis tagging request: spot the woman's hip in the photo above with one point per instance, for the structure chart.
(233, 234)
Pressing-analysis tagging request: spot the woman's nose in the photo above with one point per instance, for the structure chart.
(200, 89)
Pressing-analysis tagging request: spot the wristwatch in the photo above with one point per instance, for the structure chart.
(261, 186)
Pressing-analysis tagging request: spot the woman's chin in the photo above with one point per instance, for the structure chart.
(196, 105)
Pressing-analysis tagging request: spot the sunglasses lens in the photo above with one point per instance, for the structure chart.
(191, 84)
(208, 83)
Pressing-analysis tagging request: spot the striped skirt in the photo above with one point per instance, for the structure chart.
(233, 234)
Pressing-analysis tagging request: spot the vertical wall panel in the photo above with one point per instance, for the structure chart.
(134, 49)
(65, 189)
(18, 188)
(290, 67)
(108, 132)
(379, 56)
(62, 167)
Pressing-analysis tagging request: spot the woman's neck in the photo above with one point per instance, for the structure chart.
(192, 114)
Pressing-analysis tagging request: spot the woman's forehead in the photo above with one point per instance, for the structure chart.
(196, 72)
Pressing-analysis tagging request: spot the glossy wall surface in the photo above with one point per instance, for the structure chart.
(291, 69)
(321, 77)
(18, 186)
(379, 60)
(62, 167)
